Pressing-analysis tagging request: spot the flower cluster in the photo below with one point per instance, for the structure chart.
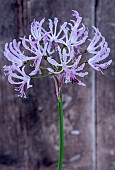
(61, 47)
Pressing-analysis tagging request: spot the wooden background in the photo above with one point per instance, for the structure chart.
(29, 138)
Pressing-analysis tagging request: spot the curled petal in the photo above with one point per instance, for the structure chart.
(54, 72)
(37, 62)
(53, 35)
(80, 67)
(19, 78)
(81, 83)
(37, 30)
(99, 47)
(79, 19)
(103, 66)
(82, 74)
(14, 54)
(77, 60)
(53, 62)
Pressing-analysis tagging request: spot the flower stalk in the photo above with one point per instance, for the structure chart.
(61, 131)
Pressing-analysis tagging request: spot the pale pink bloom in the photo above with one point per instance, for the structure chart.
(22, 79)
(14, 54)
(79, 19)
(53, 35)
(65, 59)
(75, 35)
(50, 50)
(37, 50)
(71, 74)
(104, 66)
(37, 31)
(69, 71)
(97, 43)
(65, 44)
(99, 47)
(9, 69)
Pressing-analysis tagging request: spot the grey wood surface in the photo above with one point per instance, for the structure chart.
(29, 133)
(106, 91)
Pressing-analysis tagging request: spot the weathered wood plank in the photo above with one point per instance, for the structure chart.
(43, 140)
(12, 142)
(106, 91)
(30, 126)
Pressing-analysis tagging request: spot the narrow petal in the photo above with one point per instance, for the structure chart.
(82, 74)
(53, 62)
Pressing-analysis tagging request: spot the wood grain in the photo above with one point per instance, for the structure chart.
(77, 100)
(106, 91)
(29, 132)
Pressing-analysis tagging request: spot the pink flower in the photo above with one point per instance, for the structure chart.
(37, 31)
(99, 47)
(64, 61)
(53, 35)
(68, 71)
(75, 36)
(37, 50)
(23, 77)
(14, 55)
(61, 48)
(9, 69)
(71, 74)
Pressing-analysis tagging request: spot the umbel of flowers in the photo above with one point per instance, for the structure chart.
(62, 48)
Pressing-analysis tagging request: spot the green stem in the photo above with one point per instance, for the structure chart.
(45, 76)
(60, 109)
(43, 68)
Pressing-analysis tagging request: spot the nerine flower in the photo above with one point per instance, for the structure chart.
(59, 47)
(72, 74)
(75, 36)
(9, 69)
(67, 67)
(37, 50)
(22, 80)
(99, 47)
(37, 31)
(13, 53)
(53, 35)
(64, 61)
